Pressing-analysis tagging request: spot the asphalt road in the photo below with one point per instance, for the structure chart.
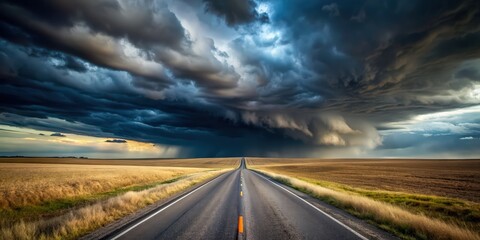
(240, 204)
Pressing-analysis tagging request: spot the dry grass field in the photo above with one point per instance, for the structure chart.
(448, 178)
(44, 195)
(24, 184)
(419, 199)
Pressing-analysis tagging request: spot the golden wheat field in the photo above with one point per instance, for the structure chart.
(23, 184)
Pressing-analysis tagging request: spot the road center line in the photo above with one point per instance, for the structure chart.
(240, 224)
(161, 210)
(318, 209)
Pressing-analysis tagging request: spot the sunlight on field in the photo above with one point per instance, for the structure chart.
(26, 184)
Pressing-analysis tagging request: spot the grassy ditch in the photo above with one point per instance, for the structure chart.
(58, 207)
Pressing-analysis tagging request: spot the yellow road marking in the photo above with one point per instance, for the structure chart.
(240, 224)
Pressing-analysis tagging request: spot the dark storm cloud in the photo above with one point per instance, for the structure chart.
(116, 141)
(80, 32)
(144, 23)
(368, 66)
(74, 64)
(95, 31)
(119, 113)
(472, 74)
(299, 78)
(236, 12)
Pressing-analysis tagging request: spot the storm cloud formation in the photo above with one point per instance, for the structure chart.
(225, 78)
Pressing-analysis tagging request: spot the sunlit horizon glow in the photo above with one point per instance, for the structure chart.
(31, 142)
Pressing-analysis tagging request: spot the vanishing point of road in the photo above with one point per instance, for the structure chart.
(240, 204)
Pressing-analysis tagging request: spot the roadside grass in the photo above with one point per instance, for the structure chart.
(78, 221)
(457, 211)
(379, 209)
(57, 207)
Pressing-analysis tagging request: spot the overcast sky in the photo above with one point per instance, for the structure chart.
(193, 78)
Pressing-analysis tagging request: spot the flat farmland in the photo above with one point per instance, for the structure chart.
(448, 178)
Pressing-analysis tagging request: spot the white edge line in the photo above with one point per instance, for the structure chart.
(157, 212)
(318, 209)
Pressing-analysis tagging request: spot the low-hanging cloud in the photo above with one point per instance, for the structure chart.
(57, 134)
(116, 141)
